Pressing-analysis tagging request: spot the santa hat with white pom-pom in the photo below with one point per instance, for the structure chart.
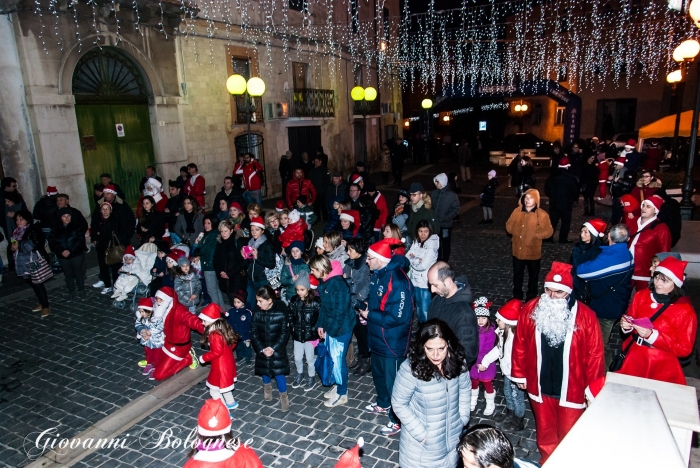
(351, 457)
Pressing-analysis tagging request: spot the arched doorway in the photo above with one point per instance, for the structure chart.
(111, 107)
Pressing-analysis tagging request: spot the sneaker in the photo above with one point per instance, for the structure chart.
(143, 363)
(337, 401)
(150, 374)
(332, 393)
(195, 360)
(310, 384)
(99, 284)
(147, 370)
(107, 290)
(391, 429)
(298, 381)
(375, 409)
(233, 406)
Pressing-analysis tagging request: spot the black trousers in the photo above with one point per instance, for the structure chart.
(320, 206)
(362, 343)
(397, 171)
(40, 292)
(445, 248)
(73, 271)
(533, 273)
(615, 212)
(589, 203)
(558, 213)
(108, 273)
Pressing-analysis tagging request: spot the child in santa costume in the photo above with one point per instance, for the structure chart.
(149, 330)
(654, 350)
(221, 340)
(484, 369)
(125, 282)
(507, 321)
(215, 447)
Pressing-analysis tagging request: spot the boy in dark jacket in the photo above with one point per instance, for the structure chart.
(488, 197)
(239, 317)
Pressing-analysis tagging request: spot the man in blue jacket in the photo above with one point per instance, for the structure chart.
(388, 314)
(609, 279)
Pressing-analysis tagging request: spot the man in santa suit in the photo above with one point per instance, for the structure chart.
(196, 186)
(648, 237)
(557, 353)
(215, 447)
(603, 166)
(153, 188)
(176, 353)
(380, 202)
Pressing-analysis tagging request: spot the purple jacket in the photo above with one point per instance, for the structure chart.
(487, 340)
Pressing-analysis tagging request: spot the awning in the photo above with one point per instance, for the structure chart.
(665, 127)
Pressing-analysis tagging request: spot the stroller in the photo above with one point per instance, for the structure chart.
(145, 259)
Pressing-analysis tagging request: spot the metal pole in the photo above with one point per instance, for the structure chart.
(364, 125)
(678, 91)
(247, 113)
(687, 202)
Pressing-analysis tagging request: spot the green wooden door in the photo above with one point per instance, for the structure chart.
(125, 158)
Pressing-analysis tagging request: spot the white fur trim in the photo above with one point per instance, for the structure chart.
(221, 390)
(558, 287)
(506, 321)
(589, 394)
(379, 257)
(347, 217)
(666, 272)
(209, 433)
(592, 229)
(260, 225)
(163, 296)
(169, 354)
(206, 318)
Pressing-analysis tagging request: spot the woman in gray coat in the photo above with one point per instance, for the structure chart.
(190, 222)
(431, 397)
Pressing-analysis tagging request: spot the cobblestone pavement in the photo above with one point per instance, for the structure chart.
(78, 365)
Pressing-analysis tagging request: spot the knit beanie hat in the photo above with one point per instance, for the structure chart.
(303, 280)
(296, 245)
(492, 174)
(183, 261)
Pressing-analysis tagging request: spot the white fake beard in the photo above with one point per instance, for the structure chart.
(148, 191)
(554, 319)
(162, 309)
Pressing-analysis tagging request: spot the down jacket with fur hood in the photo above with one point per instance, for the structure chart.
(529, 228)
(422, 257)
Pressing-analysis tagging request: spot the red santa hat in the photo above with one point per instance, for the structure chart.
(213, 419)
(211, 313)
(351, 457)
(594, 388)
(51, 190)
(621, 160)
(629, 203)
(314, 282)
(354, 217)
(146, 303)
(279, 206)
(176, 254)
(510, 312)
(654, 202)
(235, 205)
(559, 278)
(355, 178)
(109, 189)
(564, 162)
(382, 250)
(294, 216)
(130, 251)
(596, 227)
(481, 307)
(631, 142)
(257, 221)
(673, 269)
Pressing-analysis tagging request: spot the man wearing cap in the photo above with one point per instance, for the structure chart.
(176, 353)
(649, 236)
(562, 190)
(285, 169)
(446, 210)
(120, 210)
(45, 208)
(320, 178)
(621, 182)
(252, 179)
(335, 192)
(421, 209)
(608, 279)
(558, 352)
(380, 203)
(388, 314)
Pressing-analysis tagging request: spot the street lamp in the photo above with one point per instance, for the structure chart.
(518, 110)
(676, 77)
(426, 104)
(363, 98)
(254, 87)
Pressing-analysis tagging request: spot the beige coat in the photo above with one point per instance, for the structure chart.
(529, 229)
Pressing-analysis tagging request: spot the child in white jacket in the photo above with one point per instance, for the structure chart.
(422, 255)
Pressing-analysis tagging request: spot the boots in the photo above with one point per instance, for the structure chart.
(364, 368)
(284, 401)
(513, 424)
(267, 391)
(350, 356)
(475, 397)
(490, 403)
(355, 362)
(502, 417)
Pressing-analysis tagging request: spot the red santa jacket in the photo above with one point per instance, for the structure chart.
(296, 187)
(242, 457)
(196, 188)
(646, 240)
(583, 355)
(251, 175)
(673, 337)
(293, 232)
(380, 201)
(161, 201)
(177, 326)
(603, 170)
(223, 366)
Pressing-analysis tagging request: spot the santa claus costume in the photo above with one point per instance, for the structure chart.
(630, 206)
(215, 447)
(558, 352)
(647, 239)
(196, 189)
(673, 334)
(603, 172)
(176, 353)
(154, 188)
(222, 341)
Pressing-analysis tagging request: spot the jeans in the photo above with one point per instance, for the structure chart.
(533, 273)
(243, 351)
(253, 196)
(301, 350)
(515, 398)
(252, 288)
(281, 382)
(342, 387)
(40, 292)
(422, 297)
(606, 326)
(384, 371)
(445, 248)
(212, 284)
(487, 212)
(73, 272)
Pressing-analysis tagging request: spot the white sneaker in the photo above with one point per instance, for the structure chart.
(337, 401)
(331, 394)
(99, 284)
(107, 290)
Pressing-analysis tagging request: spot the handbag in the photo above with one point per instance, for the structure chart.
(617, 361)
(115, 252)
(324, 365)
(39, 269)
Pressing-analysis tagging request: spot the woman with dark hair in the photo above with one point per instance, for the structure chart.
(190, 223)
(585, 250)
(431, 397)
(26, 243)
(368, 217)
(151, 221)
(206, 251)
(484, 446)
(357, 275)
(102, 233)
(653, 349)
(67, 241)
(401, 211)
(227, 261)
(422, 255)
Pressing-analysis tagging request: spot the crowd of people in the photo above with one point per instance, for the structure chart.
(247, 281)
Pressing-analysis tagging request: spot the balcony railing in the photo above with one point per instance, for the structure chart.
(312, 102)
(256, 115)
(367, 108)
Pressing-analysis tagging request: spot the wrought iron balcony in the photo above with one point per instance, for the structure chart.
(256, 108)
(312, 102)
(367, 107)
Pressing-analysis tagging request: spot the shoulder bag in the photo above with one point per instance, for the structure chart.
(115, 252)
(617, 361)
(39, 269)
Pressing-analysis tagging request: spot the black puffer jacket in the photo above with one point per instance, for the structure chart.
(154, 222)
(270, 328)
(228, 259)
(44, 210)
(70, 237)
(368, 218)
(304, 316)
